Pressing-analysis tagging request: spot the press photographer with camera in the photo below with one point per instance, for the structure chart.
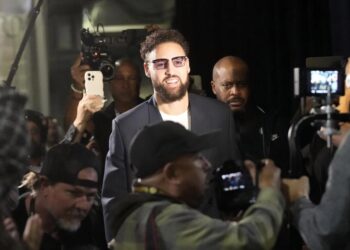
(109, 54)
(324, 226)
(171, 182)
(124, 89)
(316, 132)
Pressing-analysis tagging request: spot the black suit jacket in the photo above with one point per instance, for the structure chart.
(206, 115)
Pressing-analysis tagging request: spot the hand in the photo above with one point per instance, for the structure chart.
(294, 189)
(336, 138)
(250, 166)
(93, 146)
(11, 228)
(269, 175)
(33, 232)
(77, 72)
(86, 107)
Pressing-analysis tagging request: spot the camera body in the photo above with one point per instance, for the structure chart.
(234, 187)
(100, 50)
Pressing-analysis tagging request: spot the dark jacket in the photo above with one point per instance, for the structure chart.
(263, 135)
(206, 115)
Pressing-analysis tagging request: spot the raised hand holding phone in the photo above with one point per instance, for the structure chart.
(94, 83)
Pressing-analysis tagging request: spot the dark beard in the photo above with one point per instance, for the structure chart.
(168, 97)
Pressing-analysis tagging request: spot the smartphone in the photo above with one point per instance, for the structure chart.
(94, 83)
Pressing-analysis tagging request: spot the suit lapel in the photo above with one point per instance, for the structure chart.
(153, 112)
(198, 119)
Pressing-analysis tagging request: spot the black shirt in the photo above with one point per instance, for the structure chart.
(89, 236)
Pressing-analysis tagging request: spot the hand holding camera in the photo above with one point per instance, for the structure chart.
(237, 186)
(86, 107)
(269, 175)
(295, 189)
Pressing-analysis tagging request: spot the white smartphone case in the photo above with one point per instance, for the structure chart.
(94, 83)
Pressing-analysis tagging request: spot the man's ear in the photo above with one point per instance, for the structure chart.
(146, 69)
(170, 172)
(213, 87)
(44, 184)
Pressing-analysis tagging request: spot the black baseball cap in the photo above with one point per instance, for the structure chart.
(155, 145)
(63, 162)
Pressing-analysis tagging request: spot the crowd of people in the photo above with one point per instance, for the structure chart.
(140, 174)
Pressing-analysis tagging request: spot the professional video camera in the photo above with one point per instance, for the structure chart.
(321, 75)
(100, 51)
(234, 187)
(323, 80)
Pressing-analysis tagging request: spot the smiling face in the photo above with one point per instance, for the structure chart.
(170, 83)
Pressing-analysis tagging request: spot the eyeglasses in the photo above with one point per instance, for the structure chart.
(237, 84)
(162, 63)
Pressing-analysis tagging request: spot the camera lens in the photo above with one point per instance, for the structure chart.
(108, 70)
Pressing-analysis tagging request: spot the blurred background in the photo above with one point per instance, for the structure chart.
(272, 36)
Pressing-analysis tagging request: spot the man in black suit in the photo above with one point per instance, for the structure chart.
(166, 63)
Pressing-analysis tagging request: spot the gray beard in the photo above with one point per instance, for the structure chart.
(69, 225)
(168, 97)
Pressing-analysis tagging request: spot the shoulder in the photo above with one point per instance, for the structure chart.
(210, 106)
(138, 113)
(129, 122)
(211, 102)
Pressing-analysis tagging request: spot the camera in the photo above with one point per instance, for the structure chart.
(234, 187)
(320, 76)
(319, 80)
(100, 50)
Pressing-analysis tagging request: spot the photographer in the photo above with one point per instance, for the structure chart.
(124, 88)
(171, 183)
(324, 226)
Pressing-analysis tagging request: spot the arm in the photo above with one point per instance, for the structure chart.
(258, 229)
(87, 106)
(323, 226)
(115, 181)
(77, 72)
(192, 230)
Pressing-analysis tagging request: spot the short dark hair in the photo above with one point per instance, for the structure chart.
(162, 36)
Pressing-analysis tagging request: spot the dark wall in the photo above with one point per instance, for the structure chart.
(340, 26)
(272, 36)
